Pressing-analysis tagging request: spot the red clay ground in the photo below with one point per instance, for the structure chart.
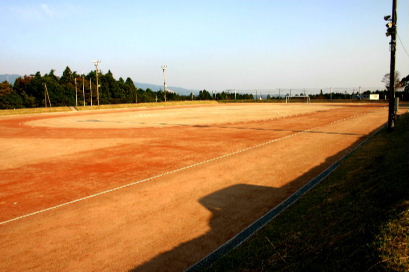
(170, 222)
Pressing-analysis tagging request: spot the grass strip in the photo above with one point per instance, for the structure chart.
(355, 220)
(102, 107)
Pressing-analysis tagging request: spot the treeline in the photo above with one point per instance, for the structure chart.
(78, 89)
(72, 88)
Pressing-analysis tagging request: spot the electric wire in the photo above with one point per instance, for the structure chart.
(403, 46)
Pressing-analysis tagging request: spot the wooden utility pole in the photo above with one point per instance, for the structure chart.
(391, 31)
(46, 96)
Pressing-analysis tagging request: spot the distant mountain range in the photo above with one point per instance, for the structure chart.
(155, 87)
(12, 77)
(9, 77)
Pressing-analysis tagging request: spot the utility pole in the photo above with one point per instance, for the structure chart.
(76, 92)
(46, 96)
(96, 63)
(391, 31)
(279, 93)
(164, 67)
(83, 88)
(90, 88)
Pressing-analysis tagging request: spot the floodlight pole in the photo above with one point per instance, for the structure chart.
(83, 88)
(90, 88)
(392, 30)
(96, 63)
(76, 92)
(164, 67)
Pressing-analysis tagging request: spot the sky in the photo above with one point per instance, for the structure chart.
(213, 45)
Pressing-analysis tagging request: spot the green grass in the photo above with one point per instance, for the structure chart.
(355, 220)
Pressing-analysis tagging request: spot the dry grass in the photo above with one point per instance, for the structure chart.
(355, 220)
(33, 110)
(102, 107)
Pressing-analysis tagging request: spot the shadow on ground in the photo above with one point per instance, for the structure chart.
(233, 209)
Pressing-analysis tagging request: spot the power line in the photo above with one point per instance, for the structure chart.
(403, 46)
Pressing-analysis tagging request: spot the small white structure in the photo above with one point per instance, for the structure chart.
(374, 97)
(371, 96)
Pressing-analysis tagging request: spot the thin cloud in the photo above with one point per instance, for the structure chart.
(46, 10)
(33, 12)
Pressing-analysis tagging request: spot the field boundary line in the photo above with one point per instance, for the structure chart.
(259, 223)
(179, 169)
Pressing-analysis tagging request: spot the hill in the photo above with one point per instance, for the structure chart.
(8, 77)
(155, 87)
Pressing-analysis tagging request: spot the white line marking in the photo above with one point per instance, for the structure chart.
(176, 170)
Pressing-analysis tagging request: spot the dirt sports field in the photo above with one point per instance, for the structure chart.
(157, 189)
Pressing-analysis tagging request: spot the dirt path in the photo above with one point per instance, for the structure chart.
(172, 221)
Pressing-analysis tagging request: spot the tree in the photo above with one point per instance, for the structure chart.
(386, 79)
(67, 76)
(404, 83)
(204, 95)
(9, 98)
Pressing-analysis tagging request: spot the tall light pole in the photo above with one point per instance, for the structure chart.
(90, 88)
(76, 93)
(391, 31)
(164, 67)
(96, 63)
(83, 88)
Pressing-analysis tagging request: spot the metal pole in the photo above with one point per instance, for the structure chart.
(76, 92)
(90, 88)
(96, 63)
(83, 89)
(164, 67)
(97, 86)
(391, 112)
(45, 96)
